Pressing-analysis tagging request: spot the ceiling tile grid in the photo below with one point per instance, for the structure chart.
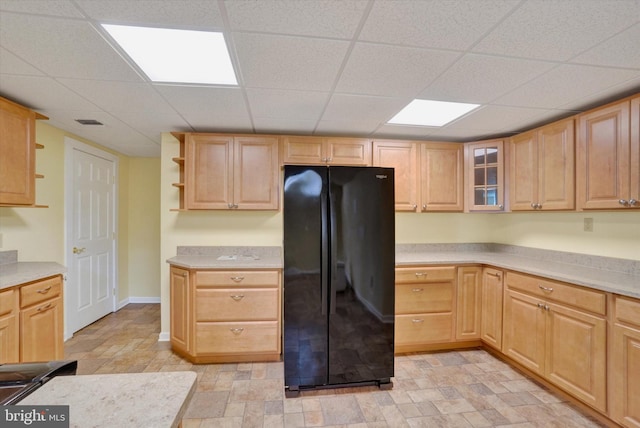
(334, 67)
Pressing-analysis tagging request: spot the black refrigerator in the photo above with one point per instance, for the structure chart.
(339, 259)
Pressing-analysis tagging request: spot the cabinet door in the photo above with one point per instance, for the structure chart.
(524, 330)
(209, 167)
(303, 150)
(576, 354)
(180, 309)
(256, 173)
(17, 154)
(348, 151)
(468, 302)
(492, 297)
(556, 171)
(523, 154)
(625, 372)
(9, 347)
(602, 168)
(41, 335)
(403, 157)
(634, 196)
(441, 175)
(485, 171)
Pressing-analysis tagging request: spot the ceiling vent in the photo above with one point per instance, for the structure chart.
(88, 122)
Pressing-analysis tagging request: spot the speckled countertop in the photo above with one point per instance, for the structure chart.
(619, 276)
(194, 257)
(13, 272)
(153, 400)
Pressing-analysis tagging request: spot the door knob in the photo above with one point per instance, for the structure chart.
(77, 250)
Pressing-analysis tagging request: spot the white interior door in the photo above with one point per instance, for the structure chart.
(91, 235)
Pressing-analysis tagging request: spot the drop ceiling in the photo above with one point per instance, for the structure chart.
(323, 67)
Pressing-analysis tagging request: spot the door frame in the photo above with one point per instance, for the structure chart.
(70, 145)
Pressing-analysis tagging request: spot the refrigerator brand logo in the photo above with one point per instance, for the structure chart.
(381, 176)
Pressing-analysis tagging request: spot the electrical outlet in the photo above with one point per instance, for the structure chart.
(588, 224)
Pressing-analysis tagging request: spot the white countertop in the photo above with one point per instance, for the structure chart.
(141, 400)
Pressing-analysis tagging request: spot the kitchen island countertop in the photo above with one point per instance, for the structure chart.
(153, 400)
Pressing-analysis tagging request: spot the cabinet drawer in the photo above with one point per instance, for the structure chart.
(579, 297)
(237, 337)
(237, 278)
(418, 329)
(40, 291)
(239, 304)
(419, 298)
(628, 311)
(7, 302)
(415, 275)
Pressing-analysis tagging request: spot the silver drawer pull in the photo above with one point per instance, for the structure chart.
(421, 274)
(237, 278)
(44, 290)
(417, 321)
(236, 331)
(549, 289)
(497, 274)
(417, 290)
(237, 297)
(45, 307)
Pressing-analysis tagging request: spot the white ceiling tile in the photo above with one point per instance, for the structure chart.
(42, 93)
(447, 24)
(118, 96)
(323, 18)
(401, 131)
(362, 108)
(202, 14)
(609, 94)
(294, 105)
(284, 125)
(286, 62)
(392, 70)
(463, 135)
(481, 78)
(49, 7)
(564, 84)
(151, 122)
(622, 50)
(356, 128)
(11, 64)
(559, 29)
(63, 48)
(491, 118)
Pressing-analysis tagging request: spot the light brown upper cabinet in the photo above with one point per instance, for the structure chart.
(17, 154)
(402, 156)
(542, 168)
(441, 174)
(231, 172)
(484, 171)
(428, 176)
(607, 174)
(326, 151)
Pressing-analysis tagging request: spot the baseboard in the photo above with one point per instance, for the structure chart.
(128, 300)
(164, 336)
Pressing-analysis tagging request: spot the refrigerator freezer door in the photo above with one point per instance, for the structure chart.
(305, 276)
(362, 295)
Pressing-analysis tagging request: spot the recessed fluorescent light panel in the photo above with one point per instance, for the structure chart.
(431, 113)
(176, 56)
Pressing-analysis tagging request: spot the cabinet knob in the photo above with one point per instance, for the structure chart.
(500, 207)
(539, 206)
(533, 205)
(623, 202)
(237, 297)
(632, 202)
(424, 207)
(415, 207)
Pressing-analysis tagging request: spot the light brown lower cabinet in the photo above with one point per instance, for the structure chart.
(558, 331)
(491, 298)
(226, 315)
(625, 363)
(31, 322)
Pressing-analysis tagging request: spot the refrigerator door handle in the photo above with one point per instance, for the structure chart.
(324, 255)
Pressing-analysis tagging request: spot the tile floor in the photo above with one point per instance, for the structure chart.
(467, 388)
